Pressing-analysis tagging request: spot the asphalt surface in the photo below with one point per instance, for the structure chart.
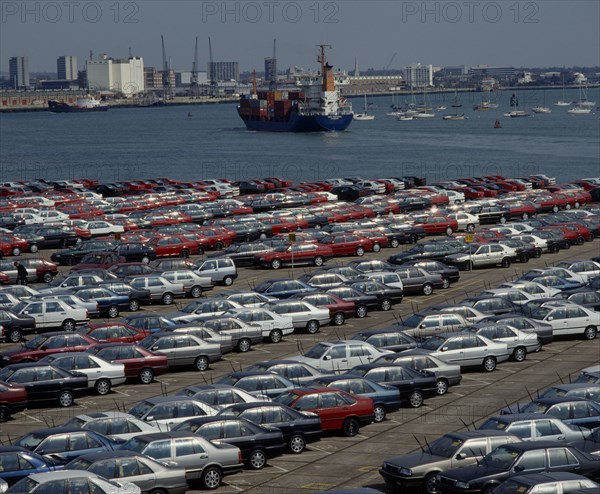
(337, 461)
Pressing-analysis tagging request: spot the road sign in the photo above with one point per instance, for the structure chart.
(469, 238)
(292, 237)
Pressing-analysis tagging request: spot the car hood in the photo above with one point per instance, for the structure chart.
(421, 459)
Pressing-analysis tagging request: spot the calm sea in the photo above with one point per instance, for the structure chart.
(124, 144)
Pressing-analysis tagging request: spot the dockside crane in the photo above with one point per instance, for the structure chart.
(387, 67)
(166, 73)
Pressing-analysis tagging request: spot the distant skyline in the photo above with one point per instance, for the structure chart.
(443, 33)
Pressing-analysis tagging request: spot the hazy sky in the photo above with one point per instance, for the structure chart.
(518, 33)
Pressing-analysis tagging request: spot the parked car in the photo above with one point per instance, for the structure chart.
(117, 425)
(220, 271)
(72, 481)
(387, 339)
(548, 482)
(519, 343)
(52, 313)
(570, 320)
(258, 383)
(571, 410)
(535, 427)
(194, 285)
(304, 315)
(273, 326)
(296, 254)
(164, 412)
(47, 344)
(14, 326)
(219, 396)
(13, 399)
(160, 288)
(17, 463)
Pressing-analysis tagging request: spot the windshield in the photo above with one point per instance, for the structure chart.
(317, 351)
(141, 409)
(75, 422)
(36, 342)
(533, 407)
(502, 458)
(445, 446)
(413, 321)
(24, 486)
(549, 393)
(433, 343)
(134, 444)
(286, 398)
(30, 441)
(541, 312)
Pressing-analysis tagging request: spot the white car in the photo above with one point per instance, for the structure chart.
(99, 227)
(388, 278)
(515, 295)
(375, 187)
(251, 300)
(537, 242)
(585, 269)
(570, 320)
(102, 375)
(466, 221)
(455, 197)
(519, 343)
(117, 425)
(274, 326)
(29, 218)
(52, 313)
(340, 356)
(304, 315)
(22, 292)
(92, 308)
(522, 227)
(77, 480)
(507, 231)
(53, 216)
(536, 289)
(164, 412)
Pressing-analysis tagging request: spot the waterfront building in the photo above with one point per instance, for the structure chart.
(18, 69)
(66, 67)
(119, 75)
(418, 75)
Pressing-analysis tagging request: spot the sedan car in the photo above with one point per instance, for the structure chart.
(17, 462)
(297, 372)
(535, 427)
(199, 310)
(387, 295)
(117, 425)
(72, 481)
(219, 396)
(519, 343)
(113, 332)
(467, 350)
(161, 289)
(52, 313)
(14, 326)
(548, 482)
(283, 288)
(128, 466)
(570, 320)
(183, 349)
(573, 410)
(304, 315)
(273, 326)
(258, 383)
(363, 302)
(164, 412)
(339, 309)
(257, 443)
(295, 255)
(13, 399)
(201, 459)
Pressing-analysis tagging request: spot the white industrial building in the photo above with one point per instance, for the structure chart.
(418, 75)
(121, 76)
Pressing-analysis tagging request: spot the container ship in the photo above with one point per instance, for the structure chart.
(312, 108)
(86, 104)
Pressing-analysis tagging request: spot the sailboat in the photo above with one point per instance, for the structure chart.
(485, 105)
(365, 115)
(563, 102)
(542, 109)
(582, 107)
(583, 101)
(456, 102)
(514, 103)
(456, 116)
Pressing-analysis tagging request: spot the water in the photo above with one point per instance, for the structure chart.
(124, 144)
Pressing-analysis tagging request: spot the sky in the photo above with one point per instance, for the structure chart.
(379, 34)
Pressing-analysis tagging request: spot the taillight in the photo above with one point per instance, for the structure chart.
(240, 459)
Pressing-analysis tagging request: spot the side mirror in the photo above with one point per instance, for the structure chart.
(422, 326)
(550, 318)
(327, 357)
(519, 468)
(461, 456)
(445, 349)
(150, 418)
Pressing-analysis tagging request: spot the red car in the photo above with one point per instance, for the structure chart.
(139, 363)
(47, 344)
(113, 332)
(13, 399)
(435, 225)
(45, 270)
(296, 254)
(173, 246)
(378, 238)
(348, 244)
(11, 244)
(339, 411)
(339, 309)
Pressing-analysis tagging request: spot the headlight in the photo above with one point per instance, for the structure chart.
(462, 485)
(406, 471)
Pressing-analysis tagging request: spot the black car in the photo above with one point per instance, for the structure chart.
(243, 254)
(387, 339)
(136, 252)
(46, 382)
(490, 215)
(524, 250)
(518, 459)
(350, 192)
(298, 428)
(109, 303)
(363, 302)
(432, 250)
(416, 280)
(414, 385)
(491, 305)
(53, 237)
(70, 257)
(567, 482)
(137, 296)
(257, 443)
(110, 190)
(386, 295)
(571, 410)
(450, 274)
(15, 325)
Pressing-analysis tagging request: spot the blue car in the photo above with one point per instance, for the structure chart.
(109, 303)
(284, 288)
(385, 398)
(150, 322)
(63, 444)
(557, 282)
(17, 462)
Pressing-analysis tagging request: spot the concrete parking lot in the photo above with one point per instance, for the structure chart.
(338, 461)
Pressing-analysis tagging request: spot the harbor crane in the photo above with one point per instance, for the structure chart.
(390, 62)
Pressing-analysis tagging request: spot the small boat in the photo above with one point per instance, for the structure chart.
(562, 103)
(518, 113)
(364, 116)
(424, 115)
(454, 117)
(405, 118)
(583, 101)
(541, 109)
(497, 124)
(579, 111)
(82, 104)
(441, 108)
(456, 102)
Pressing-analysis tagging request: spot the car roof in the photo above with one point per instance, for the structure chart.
(60, 474)
(559, 399)
(155, 400)
(57, 430)
(516, 417)
(107, 455)
(157, 436)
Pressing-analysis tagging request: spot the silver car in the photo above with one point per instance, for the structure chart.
(160, 288)
(77, 481)
(467, 350)
(183, 349)
(193, 284)
(519, 343)
(243, 335)
(163, 412)
(199, 310)
(209, 335)
(129, 466)
(202, 460)
(273, 326)
(421, 325)
(304, 315)
(117, 425)
(251, 300)
(220, 396)
(570, 320)
(535, 427)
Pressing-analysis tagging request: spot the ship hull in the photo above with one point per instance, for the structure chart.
(56, 107)
(300, 123)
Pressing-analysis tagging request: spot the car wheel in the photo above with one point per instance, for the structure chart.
(442, 386)
(505, 262)
(554, 249)
(488, 489)
(555, 209)
(360, 251)
(577, 205)
(275, 336)
(567, 207)
(524, 257)
(519, 354)
(470, 227)
(146, 376)
(339, 319)
(167, 299)
(244, 345)
(430, 484)
(580, 240)
(296, 444)
(394, 243)
(538, 253)
(15, 335)
(502, 219)
(113, 311)
(257, 460)
(567, 245)
(134, 305)
(68, 325)
(416, 399)
(590, 333)
(414, 239)
(361, 311)
(184, 254)
(16, 251)
(376, 247)
(276, 263)
(33, 248)
(468, 266)
(63, 244)
(445, 283)
(386, 304)
(350, 427)
(427, 289)
(380, 412)
(4, 413)
(263, 236)
(102, 386)
(70, 261)
(211, 478)
(449, 231)
(539, 346)
(145, 260)
(47, 277)
(489, 364)
(218, 246)
(65, 399)
(312, 327)
(201, 363)
(196, 291)
(228, 280)
(318, 261)
(525, 216)
(200, 251)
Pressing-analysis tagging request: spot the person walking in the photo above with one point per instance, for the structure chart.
(21, 273)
